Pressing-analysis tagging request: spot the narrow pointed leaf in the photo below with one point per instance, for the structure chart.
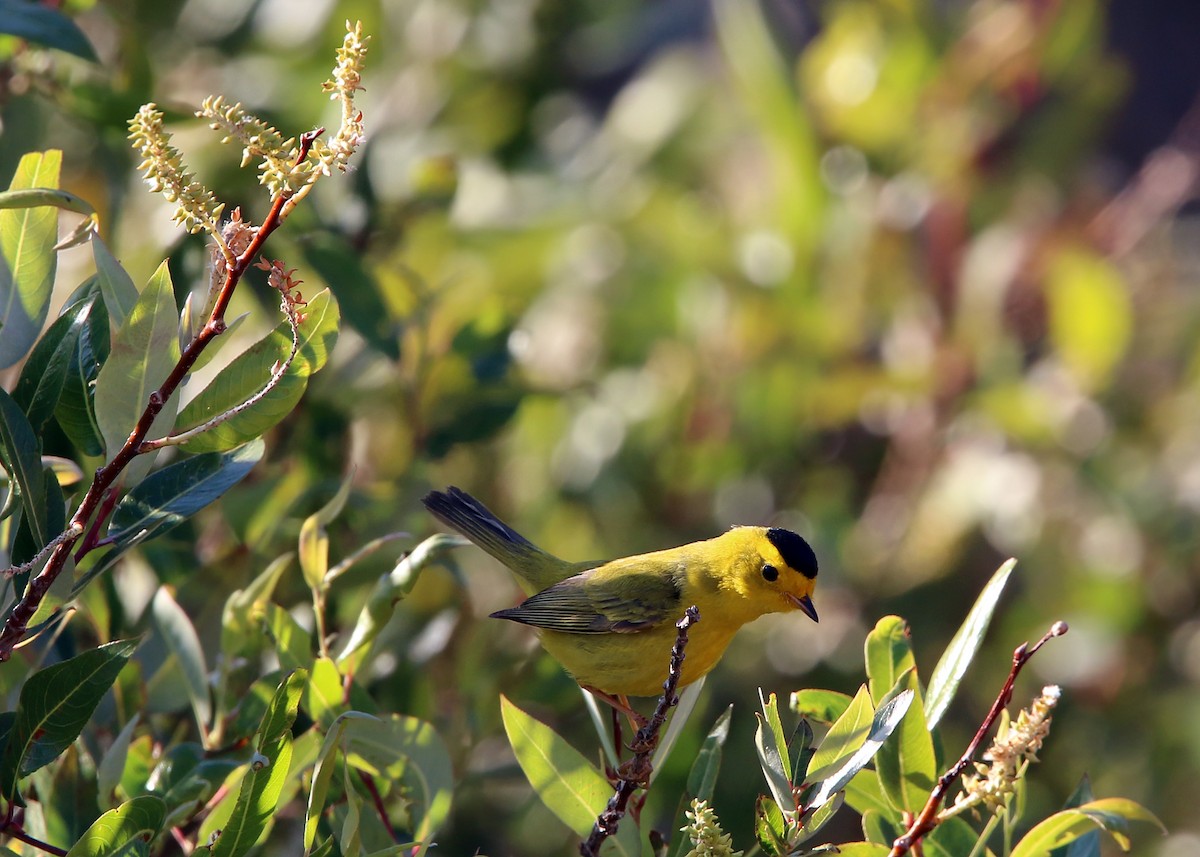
(184, 643)
(844, 738)
(888, 654)
(170, 496)
(76, 411)
(262, 785)
(565, 781)
(323, 774)
(774, 768)
(55, 704)
(250, 371)
(144, 351)
(119, 831)
(953, 664)
(1113, 815)
(112, 763)
(906, 764)
(27, 258)
(883, 724)
(314, 540)
(45, 372)
(20, 452)
(120, 294)
(864, 794)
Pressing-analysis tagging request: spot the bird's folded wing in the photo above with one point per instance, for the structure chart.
(585, 604)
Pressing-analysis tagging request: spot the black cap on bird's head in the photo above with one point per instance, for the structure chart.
(795, 551)
(799, 556)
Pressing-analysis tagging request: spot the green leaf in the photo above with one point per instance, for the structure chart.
(240, 627)
(864, 794)
(565, 781)
(1087, 845)
(27, 258)
(888, 655)
(323, 774)
(45, 372)
(21, 455)
(408, 751)
(249, 373)
(341, 265)
(1091, 315)
(770, 827)
(293, 644)
(55, 704)
(702, 778)
(844, 738)
(906, 764)
(817, 817)
(951, 837)
(184, 644)
(112, 763)
(772, 754)
(823, 706)
(1112, 815)
(889, 716)
(263, 783)
(44, 25)
(323, 696)
(144, 351)
(170, 496)
(314, 540)
(953, 664)
(135, 821)
(350, 839)
(120, 294)
(76, 412)
(862, 849)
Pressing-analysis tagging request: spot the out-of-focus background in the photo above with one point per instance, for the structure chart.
(917, 279)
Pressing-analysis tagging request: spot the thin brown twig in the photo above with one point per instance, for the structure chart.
(13, 829)
(927, 819)
(377, 799)
(18, 620)
(636, 772)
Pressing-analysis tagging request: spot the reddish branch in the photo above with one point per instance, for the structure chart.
(636, 772)
(106, 476)
(927, 820)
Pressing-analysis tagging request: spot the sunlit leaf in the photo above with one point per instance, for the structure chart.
(250, 371)
(263, 783)
(565, 781)
(844, 738)
(323, 774)
(888, 655)
(27, 257)
(772, 754)
(314, 540)
(137, 820)
(906, 764)
(865, 794)
(823, 706)
(883, 725)
(1091, 319)
(1113, 815)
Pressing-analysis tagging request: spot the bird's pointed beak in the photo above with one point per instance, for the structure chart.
(806, 605)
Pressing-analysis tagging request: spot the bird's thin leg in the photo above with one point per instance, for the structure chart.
(619, 703)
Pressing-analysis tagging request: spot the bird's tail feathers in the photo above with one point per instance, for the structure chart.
(460, 511)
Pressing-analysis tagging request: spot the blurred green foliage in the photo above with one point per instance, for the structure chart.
(635, 279)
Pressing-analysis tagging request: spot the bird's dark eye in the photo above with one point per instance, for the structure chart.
(770, 572)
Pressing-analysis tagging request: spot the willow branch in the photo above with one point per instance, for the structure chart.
(636, 772)
(927, 819)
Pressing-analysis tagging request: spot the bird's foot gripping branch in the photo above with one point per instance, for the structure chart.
(116, 397)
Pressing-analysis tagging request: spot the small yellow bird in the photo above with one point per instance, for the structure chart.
(612, 624)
